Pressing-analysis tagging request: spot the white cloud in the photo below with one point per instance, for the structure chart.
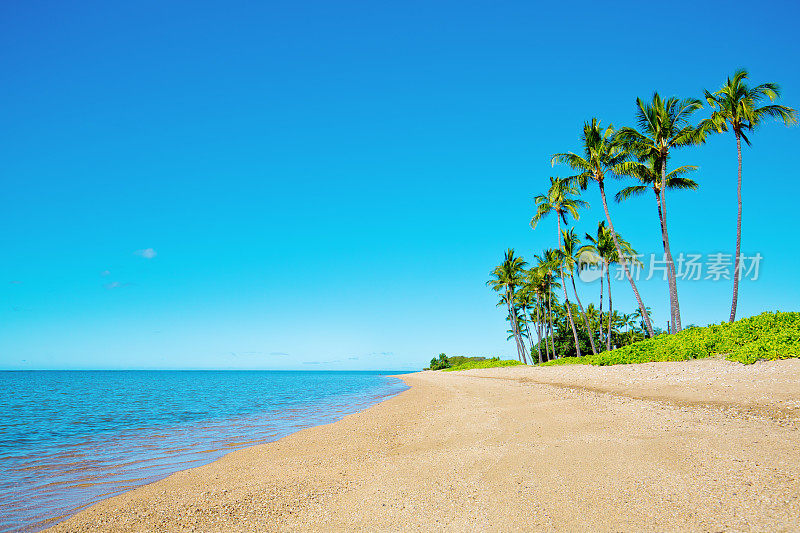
(105, 273)
(147, 253)
(116, 285)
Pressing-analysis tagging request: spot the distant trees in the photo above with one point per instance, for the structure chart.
(440, 363)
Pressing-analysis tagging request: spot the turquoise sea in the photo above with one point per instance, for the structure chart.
(71, 438)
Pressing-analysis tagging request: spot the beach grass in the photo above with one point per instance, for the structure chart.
(768, 336)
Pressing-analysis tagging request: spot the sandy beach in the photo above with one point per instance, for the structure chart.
(696, 446)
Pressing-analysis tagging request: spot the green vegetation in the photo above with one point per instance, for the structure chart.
(439, 364)
(494, 362)
(606, 155)
(767, 336)
(467, 363)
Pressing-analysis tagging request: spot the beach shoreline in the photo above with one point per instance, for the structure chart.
(697, 445)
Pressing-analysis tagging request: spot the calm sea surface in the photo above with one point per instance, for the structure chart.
(71, 438)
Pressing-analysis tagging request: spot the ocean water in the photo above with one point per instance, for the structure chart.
(71, 438)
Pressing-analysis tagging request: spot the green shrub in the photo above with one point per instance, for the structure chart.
(494, 362)
(766, 336)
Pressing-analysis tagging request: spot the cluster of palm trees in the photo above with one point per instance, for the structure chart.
(641, 154)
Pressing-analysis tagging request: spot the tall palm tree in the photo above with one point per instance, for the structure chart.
(546, 264)
(534, 290)
(538, 284)
(559, 201)
(602, 245)
(506, 277)
(525, 301)
(738, 106)
(649, 176)
(663, 125)
(602, 156)
(570, 260)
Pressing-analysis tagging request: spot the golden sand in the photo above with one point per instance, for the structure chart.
(696, 446)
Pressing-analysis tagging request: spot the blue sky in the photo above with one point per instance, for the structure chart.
(326, 185)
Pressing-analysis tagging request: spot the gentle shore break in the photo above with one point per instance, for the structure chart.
(705, 445)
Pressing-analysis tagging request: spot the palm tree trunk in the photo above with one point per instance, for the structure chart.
(623, 262)
(736, 276)
(566, 298)
(610, 309)
(538, 334)
(601, 301)
(543, 326)
(664, 246)
(550, 320)
(675, 309)
(583, 313)
(512, 317)
(526, 316)
(569, 313)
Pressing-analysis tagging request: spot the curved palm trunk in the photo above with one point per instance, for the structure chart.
(610, 310)
(583, 313)
(736, 276)
(566, 298)
(675, 309)
(623, 262)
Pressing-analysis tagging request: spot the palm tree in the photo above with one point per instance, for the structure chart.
(521, 327)
(649, 176)
(570, 261)
(663, 125)
(546, 265)
(505, 278)
(738, 107)
(536, 283)
(559, 200)
(529, 300)
(526, 300)
(639, 315)
(603, 156)
(602, 246)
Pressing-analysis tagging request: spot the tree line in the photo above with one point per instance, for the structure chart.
(530, 294)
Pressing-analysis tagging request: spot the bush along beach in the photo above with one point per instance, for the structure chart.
(766, 337)
(468, 363)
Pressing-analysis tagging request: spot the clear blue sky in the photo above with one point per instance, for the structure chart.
(327, 184)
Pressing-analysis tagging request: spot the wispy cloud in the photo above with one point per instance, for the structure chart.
(15, 282)
(381, 353)
(353, 358)
(147, 253)
(278, 353)
(116, 285)
(105, 273)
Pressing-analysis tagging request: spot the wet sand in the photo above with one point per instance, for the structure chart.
(696, 446)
